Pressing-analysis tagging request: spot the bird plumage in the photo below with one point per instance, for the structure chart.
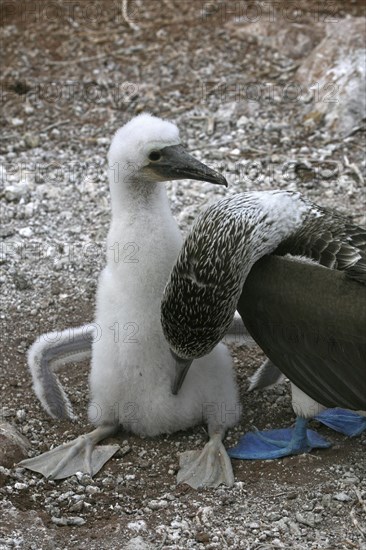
(132, 362)
(201, 296)
(309, 320)
(313, 333)
(132, 368)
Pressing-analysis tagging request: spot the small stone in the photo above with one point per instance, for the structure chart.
(19, 486)
(83, 479)
(92, 489)
(293, 527)
(202, 536)
(175, 524)
(14, 193)
(351, 480)
(139, 525)
(72, 520)
(137, 543)
(21, 414)
(305, 519)
(65, 496)
(76, 520)
(29, 210)
(204, 515)
(31, 141)
(28, 109)
(103, 141)
(274, 516)
(243, 121)
(59, 521)
(77, 507)
(25, 232)
(13, 446)
(17, 121)
(342, 497)
(21, 283)
(157, 504)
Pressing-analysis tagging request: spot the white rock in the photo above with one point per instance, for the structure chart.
(137, 543)
(16, 192)
(335, 73)
(342, 497)
(25, 232)
(92, 489)
(21, 414)
(19, 486)
(28, 109)
(29, 209)
(103, 141)
(139, 525)
(243, 121)
(17, 121)
(175, 524)
(204, 515)
(157, 504)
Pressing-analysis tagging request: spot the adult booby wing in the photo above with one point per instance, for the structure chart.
(310, 321)
(334, 244)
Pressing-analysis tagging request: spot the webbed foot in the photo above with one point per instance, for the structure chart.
(210, 467)
(273, 444)
(343, 421)
(79, 455)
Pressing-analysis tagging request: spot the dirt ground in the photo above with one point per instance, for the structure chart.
(74, 72)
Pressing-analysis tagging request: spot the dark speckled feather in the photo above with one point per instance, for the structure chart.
(331, 241)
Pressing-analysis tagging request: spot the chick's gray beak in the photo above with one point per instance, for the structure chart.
(176, 164)
(181, 369)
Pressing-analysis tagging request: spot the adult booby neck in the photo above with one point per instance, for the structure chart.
(208, 283)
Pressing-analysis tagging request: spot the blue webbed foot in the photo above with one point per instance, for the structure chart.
(343, 421)
(278, 443)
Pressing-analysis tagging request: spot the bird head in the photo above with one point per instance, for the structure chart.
(148, 149)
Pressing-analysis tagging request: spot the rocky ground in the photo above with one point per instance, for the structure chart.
(75, 72)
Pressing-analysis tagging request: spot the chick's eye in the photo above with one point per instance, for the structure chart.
(155, 155)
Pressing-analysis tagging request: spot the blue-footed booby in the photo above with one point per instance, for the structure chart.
(132, 368)
(307, 311)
